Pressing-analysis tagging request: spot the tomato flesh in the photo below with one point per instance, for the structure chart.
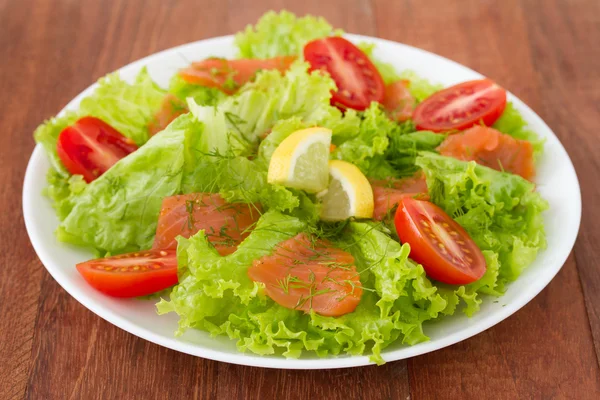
(225, 224)
(440, 244)
(398, 102)
(358, 81)
(90, 147)
(133, 274)
(171, 108)
(491, 148)
(461, 106)
(230, 75)
(309, 274)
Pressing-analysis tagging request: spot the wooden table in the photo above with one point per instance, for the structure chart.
(51, 347)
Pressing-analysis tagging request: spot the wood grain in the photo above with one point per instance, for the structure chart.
(54, 348)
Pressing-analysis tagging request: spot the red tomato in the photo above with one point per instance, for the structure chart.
(133, 274)
(225, 224)
(461, 106)
(439, 243)
(491, 148)
(90, 147)
(358, 81)
(229, 75)
(398, 102)
(305, 274)
(170, 109)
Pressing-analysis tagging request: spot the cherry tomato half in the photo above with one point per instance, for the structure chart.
(90, 147)
(358, 81)
(133, 274)
(461, 106)
(439, 243)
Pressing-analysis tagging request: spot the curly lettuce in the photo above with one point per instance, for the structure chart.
(280, 34)
(367, 148)
(404, 149)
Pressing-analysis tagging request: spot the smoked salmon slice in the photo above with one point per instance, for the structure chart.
(388, 193)
(306, 273)
(491, 148)
(171, 108)
(398, 102)
(225, 224)
(230, 75)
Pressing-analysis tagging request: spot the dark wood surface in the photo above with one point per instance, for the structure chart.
(51, 347)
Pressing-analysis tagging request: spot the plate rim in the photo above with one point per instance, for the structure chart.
(254, 360)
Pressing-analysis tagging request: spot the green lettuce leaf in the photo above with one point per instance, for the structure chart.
(502, 212)
(511, 122)
(404, 148)
(281, 34)
(258, 105)
(62, 191)
(367, 148)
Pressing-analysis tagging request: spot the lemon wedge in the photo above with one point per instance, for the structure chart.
(349, 193)
(300, 161)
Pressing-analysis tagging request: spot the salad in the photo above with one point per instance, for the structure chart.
(304, 197)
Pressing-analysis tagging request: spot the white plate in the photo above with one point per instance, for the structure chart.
(556, 180)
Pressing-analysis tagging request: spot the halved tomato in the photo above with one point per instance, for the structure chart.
(440, 244)
(358, 81)
(461, 106)
(133, 274)
(398, 102)
(491, 148)
(171, 108)
(90, 147)
(310, 274)
(225, 224)
(388, 193)
(230, 75)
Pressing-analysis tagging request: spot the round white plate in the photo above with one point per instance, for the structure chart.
(556, 180)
